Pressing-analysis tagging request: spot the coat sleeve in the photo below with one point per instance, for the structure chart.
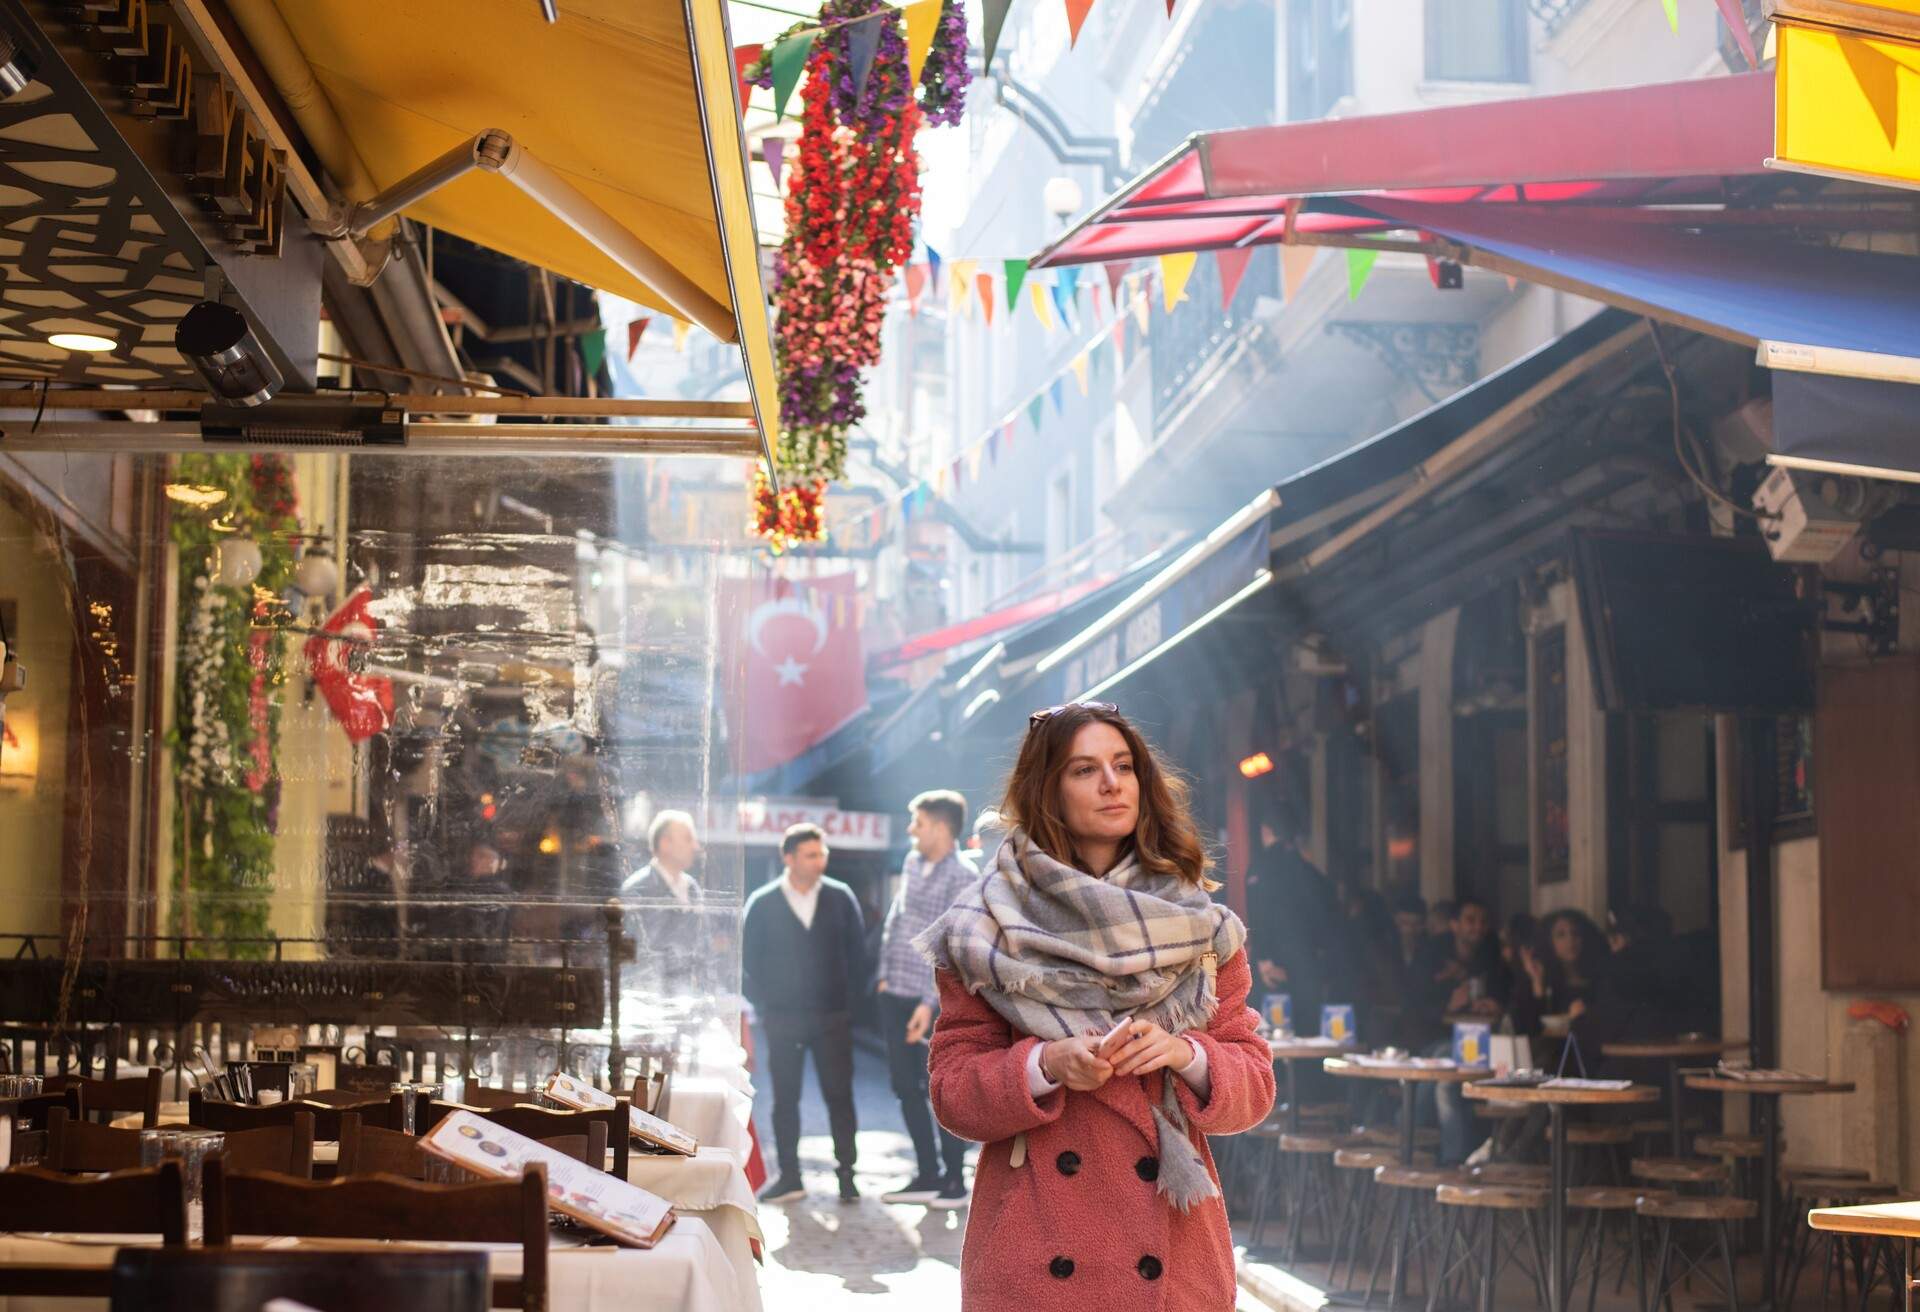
(977, 1070)
(1239, 1063)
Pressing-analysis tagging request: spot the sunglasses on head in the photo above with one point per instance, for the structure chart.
(1039, 718)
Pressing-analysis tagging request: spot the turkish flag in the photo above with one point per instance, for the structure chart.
(804, 672)
(363, 704)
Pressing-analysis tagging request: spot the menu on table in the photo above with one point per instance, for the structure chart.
(600, 1201)
(1763, 1076)
(645, 1127)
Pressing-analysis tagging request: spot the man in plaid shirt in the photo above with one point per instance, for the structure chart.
(933, 880)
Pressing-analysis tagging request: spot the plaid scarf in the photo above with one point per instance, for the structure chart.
(1058, 952)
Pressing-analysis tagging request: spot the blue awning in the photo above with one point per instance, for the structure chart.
(1846, 426)
(1727, 282)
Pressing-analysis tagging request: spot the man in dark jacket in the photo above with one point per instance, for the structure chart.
(803, 962)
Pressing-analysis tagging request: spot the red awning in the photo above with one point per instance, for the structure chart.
(1674, 144)
(983, 626)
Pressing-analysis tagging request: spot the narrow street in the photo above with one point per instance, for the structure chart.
(825, 1254)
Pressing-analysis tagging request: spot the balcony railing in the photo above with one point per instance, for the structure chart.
(1555, 14)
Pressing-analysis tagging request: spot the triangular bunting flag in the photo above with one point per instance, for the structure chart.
(1115, 272)
(1737, 24)
(1069, 279)
(1058, 394)
(960, 284)
(1174, 272)
(940, 483)
(774, 151)
(975, 454)
(993, 17)
(863, 39)
(1142, 307)
(1513, 283)
(745, 57)
(1035, 409)
(1295, 263)
(593, 351)
(956, 473)
(985, 283)
(635, 331)
(1077, 11)
(1005, 439)
(933, 261)
(1673, 13)
(1080, 371)
(1169, 8)
(1359, 269)
(1099, 306)
(1037, 293)
(1233, 267)
(916, 283)
(789, 61)
(923, 21)
(680, 330)
(1063, 298)
(1016, 273)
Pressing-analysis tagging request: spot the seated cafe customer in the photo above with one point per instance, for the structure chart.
(1562, 973)
(1461, 975)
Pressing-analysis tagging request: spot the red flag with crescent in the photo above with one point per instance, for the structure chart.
(362, 703)
(804, 671)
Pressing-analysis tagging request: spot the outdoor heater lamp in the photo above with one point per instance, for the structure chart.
(17, 65)
(217, 341)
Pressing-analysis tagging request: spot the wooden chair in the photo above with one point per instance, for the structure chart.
(543, 1123)
(493, 1099)
(494, 1211)
(233, 1116)
(239, 1280)
(83, 1146)
(126, 1202)
(369, 1150)
(109, 1098)
(34, 1110)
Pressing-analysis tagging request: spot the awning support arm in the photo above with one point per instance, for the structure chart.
(495, 151)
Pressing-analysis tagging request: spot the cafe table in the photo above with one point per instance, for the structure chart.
(712, 1185)
(1409, 1074)
(684, 1272)
(1899, 1221)
(1288, 1053)
(1674, 1052)
(1556, 1096)
(1764, 1097)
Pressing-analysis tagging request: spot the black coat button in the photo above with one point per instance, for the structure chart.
(1149, 1267)
(1147, 1168)
(1067, 1162)
(1062, 1267)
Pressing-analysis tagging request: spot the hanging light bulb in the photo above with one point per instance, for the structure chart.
(316, 575)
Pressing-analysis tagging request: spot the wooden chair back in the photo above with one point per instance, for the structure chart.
(241, 1280)
(152, 1201)
(492, 1099)
(232, 1116)
(369, 1150)
(83, 1146)
(33, 1111)
(363, 1207)
(109, 1098)
(546, 1123)
(276, 1149)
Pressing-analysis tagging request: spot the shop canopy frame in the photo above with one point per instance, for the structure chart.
(1658, 199)
(383, 111)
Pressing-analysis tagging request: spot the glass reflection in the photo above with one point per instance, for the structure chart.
(383, 736)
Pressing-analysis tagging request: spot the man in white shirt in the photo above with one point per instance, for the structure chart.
(666, 919)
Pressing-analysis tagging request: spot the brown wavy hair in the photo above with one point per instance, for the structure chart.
(1165, 838)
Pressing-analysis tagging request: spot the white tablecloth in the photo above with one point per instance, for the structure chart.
(686, 1272)
(713, 1110)
(713, 1186)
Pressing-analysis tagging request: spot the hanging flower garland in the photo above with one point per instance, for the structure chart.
(851, 205)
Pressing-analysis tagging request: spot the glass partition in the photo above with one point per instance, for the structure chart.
(361, 752)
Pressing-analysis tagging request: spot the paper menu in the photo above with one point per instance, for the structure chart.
(594, 1198)
(645, 1127)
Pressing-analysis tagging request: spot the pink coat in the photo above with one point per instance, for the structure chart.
(1080, 1225)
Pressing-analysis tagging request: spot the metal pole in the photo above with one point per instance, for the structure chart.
(131, 438)
(1557, 1210)
(1758, 771)
(491, 145)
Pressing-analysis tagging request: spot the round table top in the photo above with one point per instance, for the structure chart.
(1406, 1074)
(1295, 1049)
(1722, 1084)
(1540, 1093)
(1684, 1045)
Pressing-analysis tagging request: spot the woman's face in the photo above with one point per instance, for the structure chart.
(1099, 792)
(1566, 941)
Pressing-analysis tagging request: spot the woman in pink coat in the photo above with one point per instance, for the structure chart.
(1093, 1030)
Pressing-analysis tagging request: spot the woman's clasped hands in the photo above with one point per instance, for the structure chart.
(1133, 1047)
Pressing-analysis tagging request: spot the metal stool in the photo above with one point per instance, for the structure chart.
(1681, 1172)
(1718, 1215)
(1308, 1158)
(1482, 1207)
(1356, 1211)
(1601, 1204)
(1602, 1139)
(1410, 1224)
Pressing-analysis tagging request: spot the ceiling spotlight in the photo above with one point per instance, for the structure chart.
(17, 65)
(90, 342)
(216, 340)
(200, 496)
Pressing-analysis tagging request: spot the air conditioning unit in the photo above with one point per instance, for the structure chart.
(1812, 516)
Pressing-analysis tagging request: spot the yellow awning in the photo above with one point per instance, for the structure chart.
(1860, 17)
(1847, 106)
(634, 102)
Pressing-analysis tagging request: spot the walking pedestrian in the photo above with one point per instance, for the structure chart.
(667, 902)
(1093, 1030)
(934, 879)
(803, 962)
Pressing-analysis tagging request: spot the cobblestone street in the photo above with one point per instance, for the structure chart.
(823, 1254)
